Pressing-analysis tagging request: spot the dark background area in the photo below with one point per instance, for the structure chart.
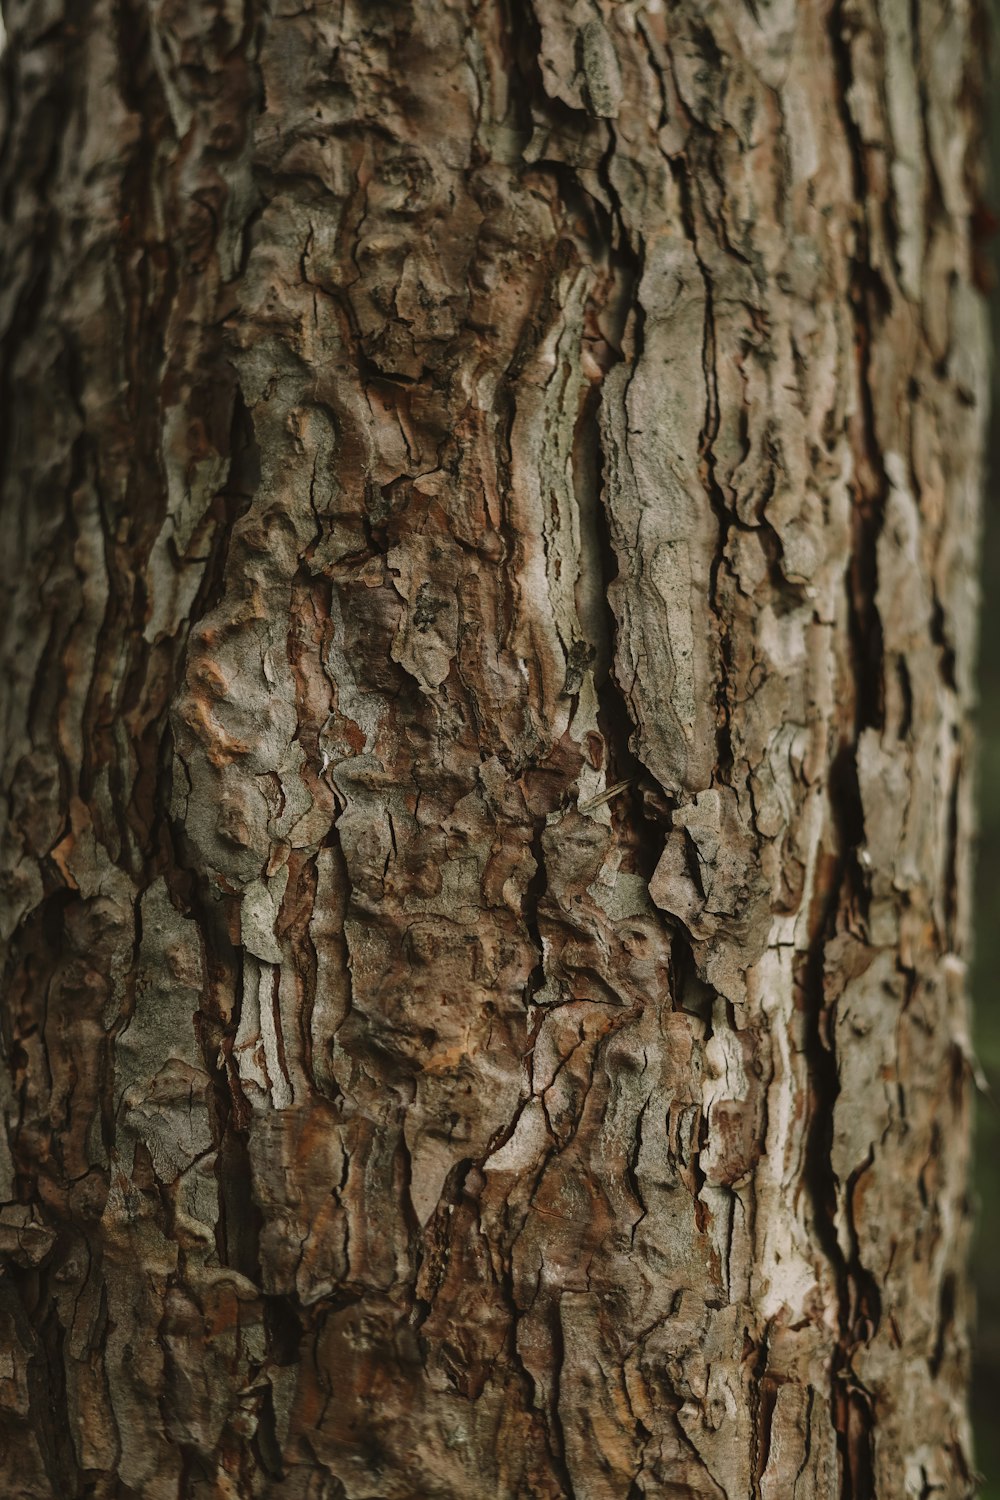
(986, 969)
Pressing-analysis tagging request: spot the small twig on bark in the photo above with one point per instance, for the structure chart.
(612, 791)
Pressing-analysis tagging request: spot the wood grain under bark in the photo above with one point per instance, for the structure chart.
(490, 513)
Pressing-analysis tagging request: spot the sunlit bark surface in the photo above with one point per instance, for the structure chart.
(489, 521)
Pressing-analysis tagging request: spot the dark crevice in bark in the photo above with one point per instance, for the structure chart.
(950, 936)
(283, 1322)
(142, 258)
(725, 517)
(870, 302)
(690, 992)
(854, 1420)
(859, 1298)
(939, 634)
(240, 1219)
(534, 897)
(307, 969)
(47, 1380)
(560, 1464)
(37, 146)
(763, 1393)
(145, 271)
(643, 802)
(867, 521)
(525, 38)
(266, 1444)
(232, 502)
(855, 1286)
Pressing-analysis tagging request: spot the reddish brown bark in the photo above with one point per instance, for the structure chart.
(490, 498)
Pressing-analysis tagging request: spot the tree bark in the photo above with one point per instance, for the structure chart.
(490, 518)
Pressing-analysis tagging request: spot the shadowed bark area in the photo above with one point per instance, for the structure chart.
(490, 514)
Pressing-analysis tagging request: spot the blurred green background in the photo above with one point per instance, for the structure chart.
(986, 990)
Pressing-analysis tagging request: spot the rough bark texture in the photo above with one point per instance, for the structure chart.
(490, 514)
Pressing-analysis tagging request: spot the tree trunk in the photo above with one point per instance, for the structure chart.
(490, 523)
